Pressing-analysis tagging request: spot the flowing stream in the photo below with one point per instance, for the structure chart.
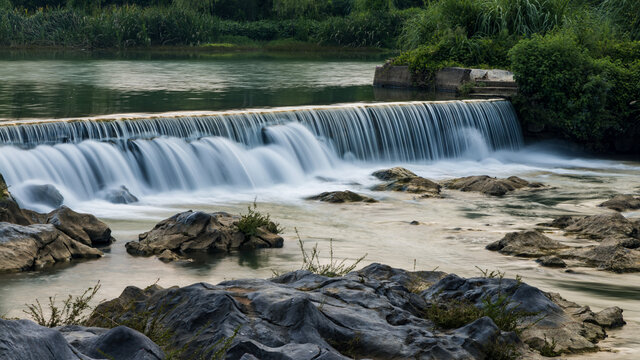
(224, 160)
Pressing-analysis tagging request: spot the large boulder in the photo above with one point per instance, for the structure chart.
(45, 194)
(622, 203)
(85, 228)
(526, 244)
(191, 232)
(546, 318)
(25, 340)
(375, 312)
(33, 247)
(490, 185)
(401, 179)
(339, 197)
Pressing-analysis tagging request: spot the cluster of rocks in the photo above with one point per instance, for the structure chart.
(339, 197)
(199, 232)
(376, 312)
(617, 248)
(491, 185)
(31, 240)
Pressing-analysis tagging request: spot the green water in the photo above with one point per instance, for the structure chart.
(62, 85)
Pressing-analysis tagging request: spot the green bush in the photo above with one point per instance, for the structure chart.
(250, 222)
(563, 88)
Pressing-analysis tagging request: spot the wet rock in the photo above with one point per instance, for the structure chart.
(120, 195)
(338, 197)
(560, 222)
(622, 203)
(602, 226)
(401, 179)
(300, 315)
(490, 185)
(551, 261)
(33, 247)
(191, 232)
(607, 257)
(44, 194)
(550, 316)
(168, 256)
(118, 343)
(414, 222)
(85, 228)
(24, 339)
(395, 173)
(610, 317)
(526, 244)
(11, 212)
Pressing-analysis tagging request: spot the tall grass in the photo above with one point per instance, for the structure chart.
(624, 13)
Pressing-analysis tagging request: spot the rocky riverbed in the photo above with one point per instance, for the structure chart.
(376, 312)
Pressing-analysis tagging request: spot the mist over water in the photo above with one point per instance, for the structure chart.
(246, 150)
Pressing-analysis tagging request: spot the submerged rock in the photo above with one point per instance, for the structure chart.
(370, 313)
(614, 258)
(338, 197)
(401, 179)
(44, 194)
(24, 339)
(526, 244)
(120, 195)
(490, 185)
(622, 203)
(551, 261)
(190, 232)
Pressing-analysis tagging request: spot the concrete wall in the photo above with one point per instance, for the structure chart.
(393, 76)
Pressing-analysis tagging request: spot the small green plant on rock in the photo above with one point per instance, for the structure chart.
(549, 348)
(453, 314)
(72, 311)
(253, 219)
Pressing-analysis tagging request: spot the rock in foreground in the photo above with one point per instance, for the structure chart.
(369, 313)
(339, 197)
(401, 179)
(191, 232)
(24, 339)
(490, 185)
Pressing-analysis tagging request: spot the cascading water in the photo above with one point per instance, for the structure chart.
(244, 149)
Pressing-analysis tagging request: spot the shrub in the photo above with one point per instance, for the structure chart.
(252, 220)
(562, 87)
(335, 268)
(72, 311)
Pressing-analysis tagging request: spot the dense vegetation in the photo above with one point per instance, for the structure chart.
(577, 62)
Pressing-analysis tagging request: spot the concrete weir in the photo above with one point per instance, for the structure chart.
(485, 83)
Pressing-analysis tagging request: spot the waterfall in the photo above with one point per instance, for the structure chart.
(86, 157)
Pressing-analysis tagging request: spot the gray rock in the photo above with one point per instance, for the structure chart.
(610, 317)
(120, 195)
(526, 244)
(607, 257)
(551, 316)
(551, 261)
(85, 228)
(192, 232)
(602, 226)
(490, 185)
(44, 194)
(120, 343)
(33, 247)
(25, 340)
(403, 180)
(622, 203)
(338, 197)
(369, 313)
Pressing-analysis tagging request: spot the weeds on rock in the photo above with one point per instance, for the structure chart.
(549, 348)
(70, 312)
(503, 314)
(497, 350)
(493, 274)
(453, 314)
(253, 219)
(335, 268)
